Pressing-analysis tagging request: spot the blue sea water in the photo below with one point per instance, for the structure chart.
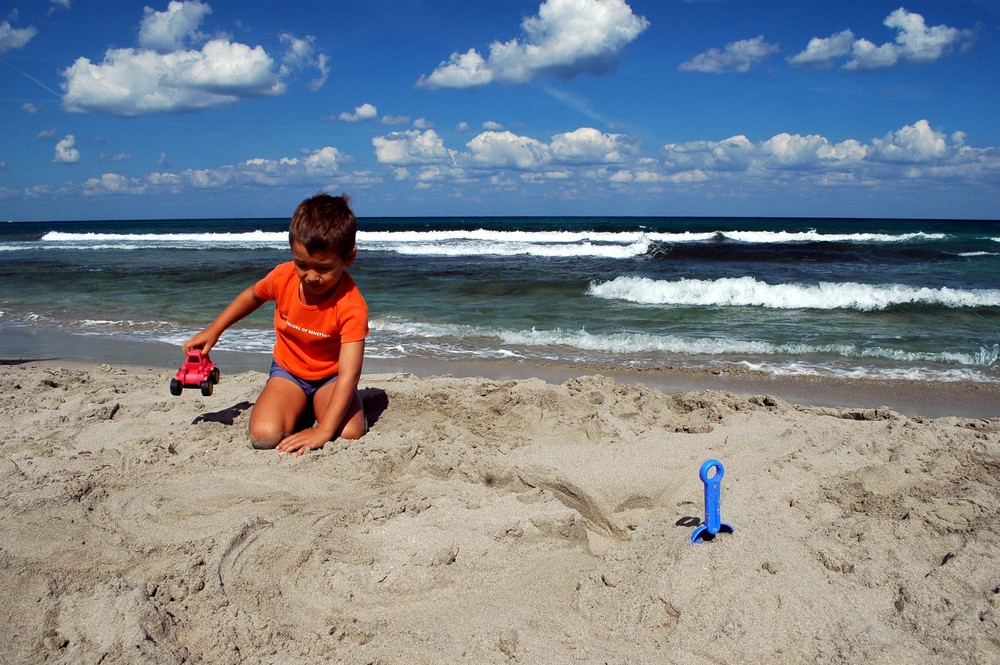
(893, 299)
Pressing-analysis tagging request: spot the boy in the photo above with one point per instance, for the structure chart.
(320, 321)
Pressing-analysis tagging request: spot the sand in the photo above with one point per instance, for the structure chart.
(488, 521)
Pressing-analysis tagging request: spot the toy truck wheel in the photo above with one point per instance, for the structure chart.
(175, 387)
(216, 375)
(207, 387)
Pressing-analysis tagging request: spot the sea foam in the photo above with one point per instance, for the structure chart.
(750, 292)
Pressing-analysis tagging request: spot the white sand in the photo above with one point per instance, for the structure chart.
(489, 522)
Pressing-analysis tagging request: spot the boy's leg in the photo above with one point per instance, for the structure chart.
(275, 412)
(354, 424)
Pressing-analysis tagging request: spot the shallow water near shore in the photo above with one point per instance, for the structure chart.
(865, 299)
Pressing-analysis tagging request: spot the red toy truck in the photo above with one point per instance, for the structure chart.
(196, 372)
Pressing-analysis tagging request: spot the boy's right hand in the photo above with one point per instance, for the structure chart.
(203, 340)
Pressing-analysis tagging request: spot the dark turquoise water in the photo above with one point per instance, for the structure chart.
(866, 298)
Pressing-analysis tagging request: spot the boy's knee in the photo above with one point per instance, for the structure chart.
(265, 438)
(353, 430)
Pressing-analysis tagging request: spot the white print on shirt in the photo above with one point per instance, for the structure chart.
(289, 324)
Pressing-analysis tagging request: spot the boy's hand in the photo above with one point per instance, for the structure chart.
(300, 442)
(203, 340)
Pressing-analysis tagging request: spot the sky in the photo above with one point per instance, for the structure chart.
(789, 108)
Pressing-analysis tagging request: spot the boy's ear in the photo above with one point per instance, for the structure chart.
(350, 257)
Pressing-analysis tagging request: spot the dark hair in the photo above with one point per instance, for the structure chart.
(325, 223)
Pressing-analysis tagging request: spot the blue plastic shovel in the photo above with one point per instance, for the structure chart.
(713, 490)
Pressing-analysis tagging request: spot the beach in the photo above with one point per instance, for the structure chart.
(542, 393)
(491, 520)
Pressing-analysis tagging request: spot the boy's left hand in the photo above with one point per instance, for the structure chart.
(300, 442)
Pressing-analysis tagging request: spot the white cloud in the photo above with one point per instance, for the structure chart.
(410, 147)
(28, 107)
(587, 157)
(822, 51)
(395, 119)
(915, 43)
(167, 75)
(325, 160)
(589, 146)
(796, 151)
(506, 149)
(113, 183)
(172, 30)
(783, 151)
(492, 126)
(867, 56)
(463, 70)
(13, 38)
(737, 57)
(913, 152)
(132, 82)
(565, 39)
(301, 53)
(916, 143)
(317, 166)
(732, 154)
(364, 112)
(918, 43)
(66, 152)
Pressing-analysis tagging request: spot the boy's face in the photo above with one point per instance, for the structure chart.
(319, 272)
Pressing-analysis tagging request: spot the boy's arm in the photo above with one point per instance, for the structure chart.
(352, 355)
(242, 305)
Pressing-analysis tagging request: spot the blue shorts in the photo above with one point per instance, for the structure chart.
(309, 387)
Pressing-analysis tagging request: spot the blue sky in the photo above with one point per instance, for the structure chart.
(121, 110)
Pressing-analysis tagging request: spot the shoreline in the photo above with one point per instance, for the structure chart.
(912, 398)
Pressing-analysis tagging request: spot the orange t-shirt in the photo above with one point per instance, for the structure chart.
(309, 337)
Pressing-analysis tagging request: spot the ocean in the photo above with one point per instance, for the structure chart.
(886, 299)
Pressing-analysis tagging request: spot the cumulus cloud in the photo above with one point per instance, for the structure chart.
(411, 147)
(911, 152)
(737, 57)
(66, 152)
(915, 144)
(14, 38)
(132, 82)
(821, 51)
(587, 145)
(166, 74)
(497, 149)
(780, 152)
(114, 183)
(174, 29)
(565, 39)
(507, 150)
(364, 112)
(915, 43)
